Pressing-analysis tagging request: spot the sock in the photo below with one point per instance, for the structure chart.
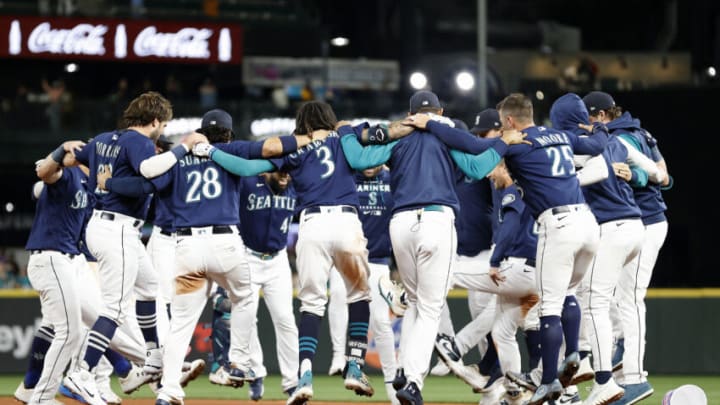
(601, 377)
(147, 319)
(532, 340)
(358, 321)
(551, 337)
(308, 335)
(98, 340)
(490, 359)
(40, 345)
(571, 324)
(120, 364)
(220, 336)
(583, 354)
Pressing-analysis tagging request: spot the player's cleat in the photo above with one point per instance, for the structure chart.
(23, 394)
(391, 393)
(635, 393)
(393, 294)
(356, 380)
(475, 379)
(568, 368)
(290, 391)
(257, 389)
(399, 381)
(441, 369)
(410, 395)
(153, 361)
(514, 394)
(448, 351)
(64, 391)
(529, 381)
(135, 379)
(108, 395)
(238, 376)
(304, 391)
(584, 372)
(337, 365)
(617, 357)
(191, 371)
(603, 394)
(82, 383)
(494, 396)
(546, 392)
(164, 399)
(569, 396)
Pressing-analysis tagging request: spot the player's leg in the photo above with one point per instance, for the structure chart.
(41, 343)
(220, 336)
(278, 298)
(146, 292)
(161, 251)
(634, 282)
(337, 313)
(381, 328)
(54, 276)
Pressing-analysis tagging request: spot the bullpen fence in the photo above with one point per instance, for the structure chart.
(682, 332)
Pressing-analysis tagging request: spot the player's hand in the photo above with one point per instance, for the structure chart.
(496, 277)
(417, 120)
(622, 170)
(191, 140)
(72, 146)
(586, 127)
(104, 172)
(398, 130)
(203, 149)
(514, 137)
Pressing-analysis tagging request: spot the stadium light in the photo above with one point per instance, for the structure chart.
(71, 67)
(465, 81)
(339, 41)
(418, 80)
(711, 72)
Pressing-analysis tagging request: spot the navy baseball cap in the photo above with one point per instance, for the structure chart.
(459, 124)
(216, 117)
(423, 98)
(486, 120)
(598, 100)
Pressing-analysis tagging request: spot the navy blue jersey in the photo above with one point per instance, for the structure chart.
(545, 169)
(648, 198)
(82, 243)
(320, 173)
(376, 203)
(422, 173)
(265, 216)
(163, 216)
(516, 235)
(474, 223)
(121, 152)
(60, 214)
(203, 193)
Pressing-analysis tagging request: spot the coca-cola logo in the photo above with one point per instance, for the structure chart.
(186, 43)
(83, 39)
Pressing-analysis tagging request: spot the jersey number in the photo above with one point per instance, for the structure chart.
(562, 158)
(325, 155)
(285, 225)
(102, 169)
(203, 185)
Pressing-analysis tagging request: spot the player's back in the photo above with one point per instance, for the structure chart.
(545, 170)
(422, 173)
(265, 214)
(320, 174)
(474, 224)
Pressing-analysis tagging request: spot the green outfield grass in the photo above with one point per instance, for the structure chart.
(437, 389)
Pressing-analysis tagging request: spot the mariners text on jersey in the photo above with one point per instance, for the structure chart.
(369, 187)
(258, 202)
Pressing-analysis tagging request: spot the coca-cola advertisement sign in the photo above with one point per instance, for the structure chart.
(132, 40)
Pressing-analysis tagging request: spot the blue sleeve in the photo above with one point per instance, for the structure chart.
(591, 145)
(364, 157)
(656, 155)
(83, 155)
(244, 149)
(463, 141)
(138, 151)
(239, 166)
(639, 177)
(476, 166)
(357, 131)
(135, 186)
(505, 234)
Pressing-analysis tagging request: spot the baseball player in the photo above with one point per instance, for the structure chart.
(635, 277)
(373, 188)
(113, 231)
(53, 244)
(568, 232)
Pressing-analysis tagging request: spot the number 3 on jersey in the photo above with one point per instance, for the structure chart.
(325, 157)
(203, 185)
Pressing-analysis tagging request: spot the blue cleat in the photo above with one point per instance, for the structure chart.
(568, 368)
(304, 390)
(356, 380)
(635, 393)
(546, 392)
(399, 381)
(410, 395)
(257, 389)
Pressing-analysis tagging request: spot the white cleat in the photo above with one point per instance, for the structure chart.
(493, 396)
(440, 369)
(23, 394)
(135, 379)
(82, 383)
(194, 369)
(220, 377)
(604, 394)
(153, 361)
(584, 373)
(393, 294)
(108, 395)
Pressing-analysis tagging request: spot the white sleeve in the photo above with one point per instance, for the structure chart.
(580, 160)
(594, 170)
(158, 164)
(636, 158)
